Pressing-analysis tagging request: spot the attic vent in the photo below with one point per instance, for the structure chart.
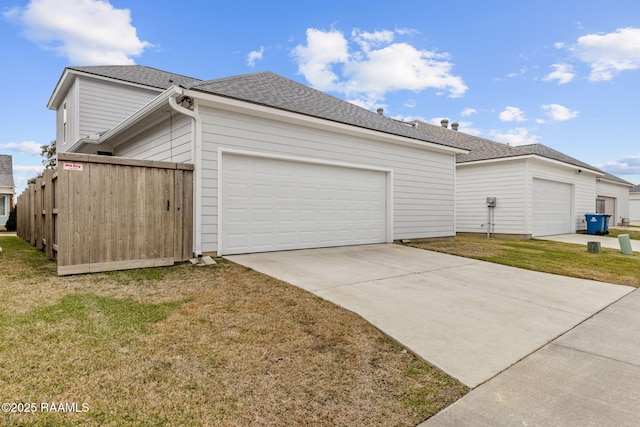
(454, 125)
(380, 111)
(444, 123)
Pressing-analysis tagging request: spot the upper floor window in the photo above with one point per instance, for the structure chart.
(64, 123)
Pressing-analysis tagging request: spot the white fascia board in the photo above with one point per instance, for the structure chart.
(525, 157)
(246, 107)
(61, 88)
(153, 105)
(612, 181)
(69, 75)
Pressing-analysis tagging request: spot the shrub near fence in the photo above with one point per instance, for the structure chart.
(100, 213)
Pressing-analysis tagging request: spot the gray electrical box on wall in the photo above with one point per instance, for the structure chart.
(491, 202)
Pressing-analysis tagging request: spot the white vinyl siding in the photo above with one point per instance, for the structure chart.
(503, 180)
(67, 134)
(103, 105)
(270, 204)
(169, 141)
(423, 191)
(615, 194)
(511, 181)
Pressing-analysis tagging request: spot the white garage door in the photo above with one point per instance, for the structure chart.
(551, 207)
(271, 204)
(634, 209)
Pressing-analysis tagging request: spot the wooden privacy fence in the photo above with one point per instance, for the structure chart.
(100, 213)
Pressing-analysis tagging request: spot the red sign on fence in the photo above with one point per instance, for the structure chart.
(72, 166)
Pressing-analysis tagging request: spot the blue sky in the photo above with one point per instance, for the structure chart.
(562, 73)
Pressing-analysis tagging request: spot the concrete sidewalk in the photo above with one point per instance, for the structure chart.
(472, 319)
(587, 377)
(582, 239)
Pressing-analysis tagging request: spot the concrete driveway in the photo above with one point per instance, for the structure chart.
(587, 377)
(472, 319)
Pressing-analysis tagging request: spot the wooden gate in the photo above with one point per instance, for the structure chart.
(109, 213)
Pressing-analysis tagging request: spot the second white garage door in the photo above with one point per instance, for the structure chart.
(272, 204)
(551, 207)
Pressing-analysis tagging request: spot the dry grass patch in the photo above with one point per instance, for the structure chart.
(183, 345)
(611, 266)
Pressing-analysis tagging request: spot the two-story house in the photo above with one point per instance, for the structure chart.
(277, 164)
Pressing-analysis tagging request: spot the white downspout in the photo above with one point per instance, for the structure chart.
(196, 156)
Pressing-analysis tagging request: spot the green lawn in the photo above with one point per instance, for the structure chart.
(633, 233)
(193, 346)
(610, 266)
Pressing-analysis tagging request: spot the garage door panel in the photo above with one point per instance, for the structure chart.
(552, 203)
(290, 205)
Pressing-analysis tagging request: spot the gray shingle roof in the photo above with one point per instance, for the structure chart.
(480, 148)
(550, 153)
(6, 170)
(272, 90)
(485, 149)
(614, 178)
(635, 189)
(138, 74)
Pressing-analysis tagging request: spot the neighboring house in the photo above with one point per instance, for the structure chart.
(7, 188)
(613, 198)
(277, 165)
(634, 204)
(538, 191)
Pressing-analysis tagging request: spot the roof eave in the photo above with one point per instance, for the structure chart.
(532, 156)
(69, 74)
(238, 105)
(63, 83)
(617, 181)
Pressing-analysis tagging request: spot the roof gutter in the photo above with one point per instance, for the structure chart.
(196, 157)
(169, 97)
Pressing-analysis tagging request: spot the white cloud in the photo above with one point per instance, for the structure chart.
(28, 147)
(31, 169)
(517, 136)
(563, 73)
(85, 32)
(626, 166)
(254, 56)
(512, 114)
(466, 127)
(468, 111)
(368, 41)
(559, 113)
(410, 103)
(513, 74)
(372, 66)
(609, 54)
(316, 59)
